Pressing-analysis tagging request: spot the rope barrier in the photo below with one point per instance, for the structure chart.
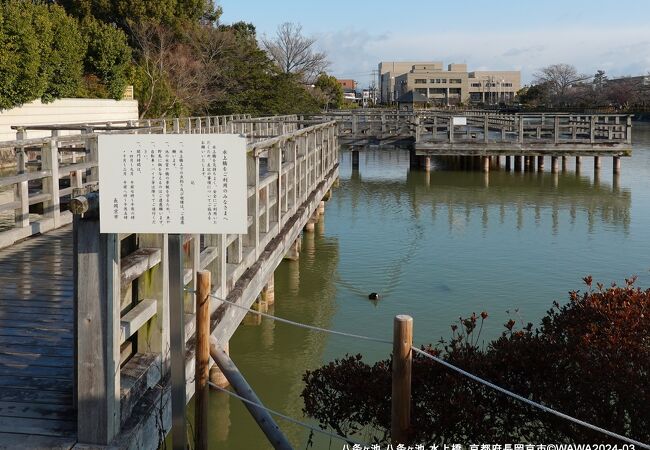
(287, 418)
(449, 366)
(528, 401)
(302, 325)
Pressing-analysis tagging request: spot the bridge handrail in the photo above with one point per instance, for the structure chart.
(301, 165)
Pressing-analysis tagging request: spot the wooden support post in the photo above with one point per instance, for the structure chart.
(517, 163)
(177, 342)
(486, 129)
(22, 191)
(596, 162)
(508, 163)
(564, 163)
(97, 294)
(321, 207)
(216, 375)
(555, 165)
(486, 163)
(202, 361)
(556, 129)
(616, 165)
(425, 163)
(578, 161)
(50, 161)
(355, 159)
(628, 130)
(268, 292)
(252, 238)
(540, 163)
(243, 389)
(401, 389)
(275, 165)
(520, 135)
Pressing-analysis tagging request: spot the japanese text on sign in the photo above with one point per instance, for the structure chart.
(180, 183)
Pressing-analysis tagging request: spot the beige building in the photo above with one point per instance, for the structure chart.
(447, 87)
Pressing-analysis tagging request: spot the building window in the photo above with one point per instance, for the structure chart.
(421, 91)
(443, 81)
(476, 84)
(455, 81)
(506, 84)
(420, 81)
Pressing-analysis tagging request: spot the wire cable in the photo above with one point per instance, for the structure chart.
(287, 418)
(302, 325)
(528, 401)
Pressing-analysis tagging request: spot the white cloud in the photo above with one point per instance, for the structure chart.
(618, 51)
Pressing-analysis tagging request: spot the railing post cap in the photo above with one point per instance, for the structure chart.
(403, 318)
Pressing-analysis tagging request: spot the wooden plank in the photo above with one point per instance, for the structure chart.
(35, 360)
(35, 396)
(21, 441)
(41, 427)
(39, 383)
(50, 412)
(138, 263)
(136, 318)
(37, 371)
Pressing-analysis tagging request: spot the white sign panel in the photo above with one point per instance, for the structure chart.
(459, 121)
(172, 183)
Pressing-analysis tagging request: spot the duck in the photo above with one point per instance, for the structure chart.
(374, 296)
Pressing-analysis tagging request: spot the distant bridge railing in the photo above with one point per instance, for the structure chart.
(34, 195)
(122, 281)
(561, 131)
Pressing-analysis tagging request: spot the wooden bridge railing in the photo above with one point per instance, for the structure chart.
(437, 127)
(123, 320)
(48, 169)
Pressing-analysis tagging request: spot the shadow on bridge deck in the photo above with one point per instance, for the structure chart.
(36, 343)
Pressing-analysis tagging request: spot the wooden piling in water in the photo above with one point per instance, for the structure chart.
(401, 389)
(202, 360)
(616, 165)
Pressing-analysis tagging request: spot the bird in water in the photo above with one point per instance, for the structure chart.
(373, 296)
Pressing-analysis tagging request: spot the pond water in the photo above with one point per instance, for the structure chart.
(436, 246)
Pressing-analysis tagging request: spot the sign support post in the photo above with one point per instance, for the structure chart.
(177, 341)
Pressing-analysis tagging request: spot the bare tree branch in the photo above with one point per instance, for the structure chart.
(295, 53)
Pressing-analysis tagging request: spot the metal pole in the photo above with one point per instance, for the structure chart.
(177, 341)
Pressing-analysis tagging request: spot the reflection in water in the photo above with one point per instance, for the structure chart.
(438, 246)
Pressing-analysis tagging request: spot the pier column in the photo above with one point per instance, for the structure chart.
(596, 163)
(578, 161)
(216, 375)
(293, 254)
(508, 163)
(425, 163)
(486, 163)
(540, 163)
(517, 163)
(555, 164)
(355, 159)
(321, 207)
(268, 292)
(616, 165)
(527, 163)
(564, 163)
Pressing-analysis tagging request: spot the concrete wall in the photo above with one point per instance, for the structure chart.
(65, 110)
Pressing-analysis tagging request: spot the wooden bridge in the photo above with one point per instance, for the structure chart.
(85, 318)
(488, 135)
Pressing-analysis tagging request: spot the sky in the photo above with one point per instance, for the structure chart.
(521, 35)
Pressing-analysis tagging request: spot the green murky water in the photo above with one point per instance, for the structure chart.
(436, 246)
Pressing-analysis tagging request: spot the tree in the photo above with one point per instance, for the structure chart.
(295, 53)
(124, 13)
(329, 91)
(589, 358)
(68, 50)
(559, 78)
(42, 53)
(108, 59)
